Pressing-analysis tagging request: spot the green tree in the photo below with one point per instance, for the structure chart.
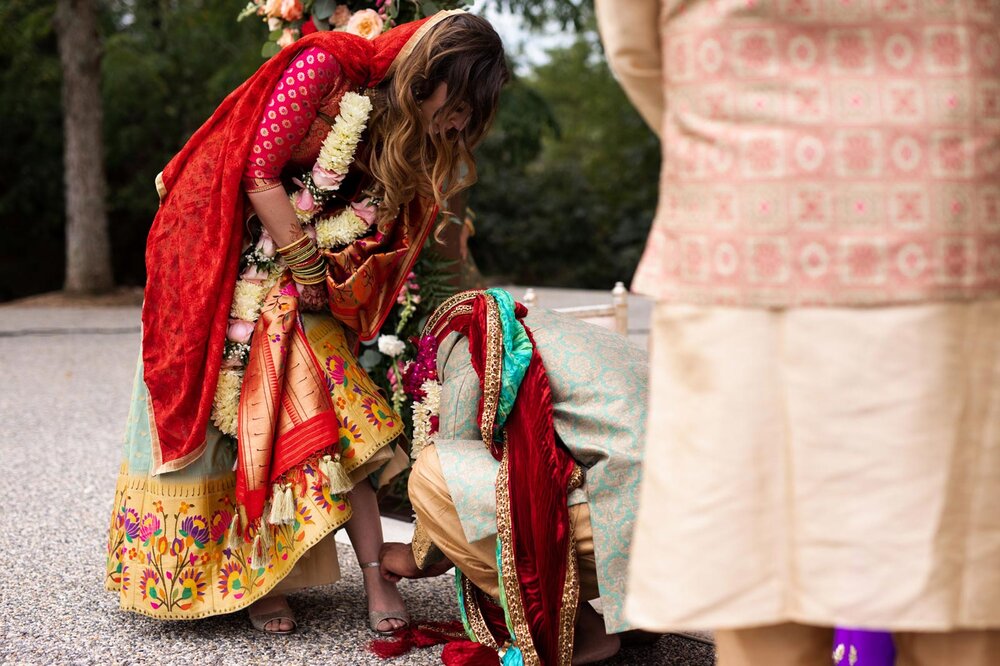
(577, 212)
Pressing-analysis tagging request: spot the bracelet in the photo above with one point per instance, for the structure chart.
(304, 260)
(312, 274)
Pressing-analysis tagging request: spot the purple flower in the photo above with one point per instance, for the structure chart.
(132, 524)
(196, 528)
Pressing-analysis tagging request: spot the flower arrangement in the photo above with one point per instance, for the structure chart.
(287, 20)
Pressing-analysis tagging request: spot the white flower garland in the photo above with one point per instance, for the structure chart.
(422, 412)
(332, 165)
(337, 152)
(340, 229)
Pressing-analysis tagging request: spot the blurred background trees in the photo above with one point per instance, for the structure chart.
(567, 178)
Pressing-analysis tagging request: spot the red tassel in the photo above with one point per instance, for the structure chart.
(419, 635)
(467, 653)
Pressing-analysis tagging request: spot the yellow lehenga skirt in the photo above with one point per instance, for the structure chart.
(169, 555)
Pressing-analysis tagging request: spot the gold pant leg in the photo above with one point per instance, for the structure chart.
(787, 644)
(435, 510)
(967, 648)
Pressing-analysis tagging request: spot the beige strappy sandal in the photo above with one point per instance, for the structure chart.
(259, 619)
(377, 617)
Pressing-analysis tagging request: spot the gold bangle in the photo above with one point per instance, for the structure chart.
(313, 273)
(297, 244)
(305, 262)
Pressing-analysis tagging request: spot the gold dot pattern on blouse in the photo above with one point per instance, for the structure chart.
(289, 112)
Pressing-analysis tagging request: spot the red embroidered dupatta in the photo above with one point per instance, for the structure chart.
(538, 565)
(192, 252)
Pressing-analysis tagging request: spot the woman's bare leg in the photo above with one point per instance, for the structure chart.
(365, 530)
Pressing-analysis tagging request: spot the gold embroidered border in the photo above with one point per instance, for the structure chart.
(475, 615)
(511, 588)
(570, 601)
(425, 552)
(493, 372)
(448, 310)
(263, 185)
(575, 478)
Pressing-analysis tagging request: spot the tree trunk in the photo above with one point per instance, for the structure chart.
(88, 251)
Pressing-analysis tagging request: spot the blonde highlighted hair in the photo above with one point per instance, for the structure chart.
(404, 160)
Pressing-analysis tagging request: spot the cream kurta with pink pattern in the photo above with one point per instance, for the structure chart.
(836, 152)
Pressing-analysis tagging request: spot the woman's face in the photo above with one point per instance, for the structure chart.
(456, 120)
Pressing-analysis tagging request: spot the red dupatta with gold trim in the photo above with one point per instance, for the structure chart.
(193, 249)
(538, 566)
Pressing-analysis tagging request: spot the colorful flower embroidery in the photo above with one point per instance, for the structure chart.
(191, 588)
(148, 587)
(231, 580)
(195, 529)
(150, 527)
(131, 525)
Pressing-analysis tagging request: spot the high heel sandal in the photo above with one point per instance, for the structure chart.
(377, 617)
(282, 611)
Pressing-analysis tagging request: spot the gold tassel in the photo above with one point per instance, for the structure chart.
(277, 513)
(235, 539)
(289, 503)
(266, 539)
(336, 476)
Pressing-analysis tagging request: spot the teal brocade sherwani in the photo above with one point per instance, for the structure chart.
(598, 381)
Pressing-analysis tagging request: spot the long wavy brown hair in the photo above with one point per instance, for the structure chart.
(404, 160)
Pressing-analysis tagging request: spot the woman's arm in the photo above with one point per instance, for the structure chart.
(276, 215)
(291, 110)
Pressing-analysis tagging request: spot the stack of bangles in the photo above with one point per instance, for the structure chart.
(304, 260)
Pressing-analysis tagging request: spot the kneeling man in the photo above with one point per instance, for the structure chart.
(528, 486)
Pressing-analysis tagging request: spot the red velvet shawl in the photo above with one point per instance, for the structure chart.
(539, 569)
(193, 249)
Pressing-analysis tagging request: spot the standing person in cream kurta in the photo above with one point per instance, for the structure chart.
(825, 369)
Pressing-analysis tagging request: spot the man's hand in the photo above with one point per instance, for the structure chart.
(396, 562)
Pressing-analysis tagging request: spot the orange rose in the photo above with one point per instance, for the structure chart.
(291, 10)
(272, 8)
(365, 23)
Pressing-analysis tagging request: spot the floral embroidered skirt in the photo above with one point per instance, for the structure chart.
(168, 553)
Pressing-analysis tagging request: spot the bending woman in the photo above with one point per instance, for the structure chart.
(287, 225)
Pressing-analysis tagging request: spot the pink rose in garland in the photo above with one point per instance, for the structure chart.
(239, 331)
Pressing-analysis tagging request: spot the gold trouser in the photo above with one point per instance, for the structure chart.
(436, 512)
(805, 645)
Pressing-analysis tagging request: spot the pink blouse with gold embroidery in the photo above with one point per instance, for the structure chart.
(295, 107)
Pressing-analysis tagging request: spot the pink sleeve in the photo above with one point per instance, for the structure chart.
(289, 113)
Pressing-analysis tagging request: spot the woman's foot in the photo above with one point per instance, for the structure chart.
(386, 609)
(272, 615)
(591, 641)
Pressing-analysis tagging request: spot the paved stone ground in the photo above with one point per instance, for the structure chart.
(66, 377)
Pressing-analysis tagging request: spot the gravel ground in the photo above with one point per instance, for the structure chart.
(67, 373)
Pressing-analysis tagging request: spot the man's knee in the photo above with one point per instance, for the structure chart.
(425, 477)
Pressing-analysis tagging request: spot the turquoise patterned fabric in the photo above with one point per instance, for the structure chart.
(599, 393)
(517, 350)
(217, 460)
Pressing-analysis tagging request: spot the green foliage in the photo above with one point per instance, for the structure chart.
(537, 14)
(166, 66)
(31, 197)
(567, 180)
(576, 211)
